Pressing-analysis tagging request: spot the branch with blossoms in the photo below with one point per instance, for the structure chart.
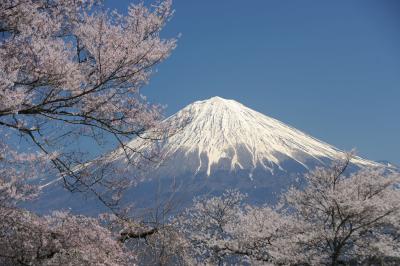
(337, 218)
(71, 70)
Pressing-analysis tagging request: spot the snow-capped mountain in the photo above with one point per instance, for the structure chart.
(220, 134)
(215, 144)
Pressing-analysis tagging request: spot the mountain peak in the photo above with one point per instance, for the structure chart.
(216, 100)
(225, 134)
(215, 108)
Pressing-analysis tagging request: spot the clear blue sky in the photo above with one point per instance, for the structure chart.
(329, 68)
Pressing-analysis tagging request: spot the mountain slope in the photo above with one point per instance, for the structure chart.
(224, 134)
(217, 144)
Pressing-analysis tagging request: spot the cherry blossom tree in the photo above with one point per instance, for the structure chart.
(336, 219)
(225, 230)
(72, 71)
(341, 219)
(58, 239)
(155, 237)
(208, 226)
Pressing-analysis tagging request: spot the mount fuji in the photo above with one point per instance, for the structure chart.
(219, 134)
(219, 144)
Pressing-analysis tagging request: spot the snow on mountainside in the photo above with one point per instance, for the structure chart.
(224, 134)
(217, 144)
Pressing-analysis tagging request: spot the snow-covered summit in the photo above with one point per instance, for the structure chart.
(216, 144)
(224, 134)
